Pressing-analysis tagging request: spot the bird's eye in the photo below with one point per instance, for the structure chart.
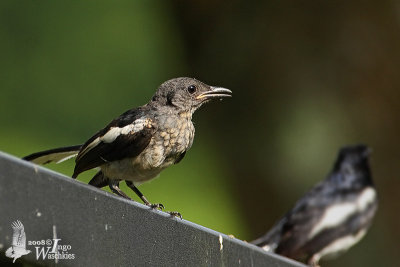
(191, 89)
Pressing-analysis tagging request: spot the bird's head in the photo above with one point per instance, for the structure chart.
(352, 162)
(187, 94)
(353, 155)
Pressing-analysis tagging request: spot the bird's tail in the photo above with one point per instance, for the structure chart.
(271, 239)
(54, 155)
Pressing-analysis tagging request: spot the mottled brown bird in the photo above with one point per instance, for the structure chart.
(143, 141)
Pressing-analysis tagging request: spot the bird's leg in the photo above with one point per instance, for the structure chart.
(147, 203)
(114, 186)
(143, 198)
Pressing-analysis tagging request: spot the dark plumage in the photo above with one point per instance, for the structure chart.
(333, 216)
(143, 141)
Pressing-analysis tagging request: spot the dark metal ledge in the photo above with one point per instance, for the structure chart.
(104, 230)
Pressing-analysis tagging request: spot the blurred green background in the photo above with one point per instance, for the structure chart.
(308, 77)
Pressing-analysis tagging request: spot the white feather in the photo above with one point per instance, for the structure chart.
(55, 157)
(114, 132)
(111, 135)
(67, 158)
(333, 216)
(338, 213)
(367, 197)
(94, 143)
(339, 246)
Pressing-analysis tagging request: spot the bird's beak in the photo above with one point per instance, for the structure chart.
(215, 92)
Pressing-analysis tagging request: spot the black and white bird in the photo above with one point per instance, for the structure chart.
(18, 246)
(333, 216)
(143, 141)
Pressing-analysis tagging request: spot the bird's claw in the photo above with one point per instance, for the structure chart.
(156, 206)
(175, 214)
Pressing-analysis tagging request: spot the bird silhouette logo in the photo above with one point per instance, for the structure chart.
(18, 246)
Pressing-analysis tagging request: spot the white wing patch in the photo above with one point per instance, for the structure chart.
(94, 143)
(334, 216)
(339, 246)
(338, 213)
(114, 132)
(368, 196)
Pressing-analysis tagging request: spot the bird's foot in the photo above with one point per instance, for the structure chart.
(174, 214)
(156, 206)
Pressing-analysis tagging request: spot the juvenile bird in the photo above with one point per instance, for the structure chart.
(143, 141)
(333, 216)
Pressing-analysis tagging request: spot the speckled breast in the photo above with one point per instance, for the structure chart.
(173, 137)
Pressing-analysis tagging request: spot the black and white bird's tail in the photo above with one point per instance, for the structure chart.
(271, 239)
(56, 155)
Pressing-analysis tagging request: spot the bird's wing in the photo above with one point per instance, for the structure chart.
(19, 237)
(9, 252)
(126, 136)
(54, 155)
(299, 222)
(284, 229)
(291, 231)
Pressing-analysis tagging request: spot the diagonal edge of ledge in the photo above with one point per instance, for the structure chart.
(106, 230)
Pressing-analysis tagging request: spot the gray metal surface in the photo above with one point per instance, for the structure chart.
(100, 229)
